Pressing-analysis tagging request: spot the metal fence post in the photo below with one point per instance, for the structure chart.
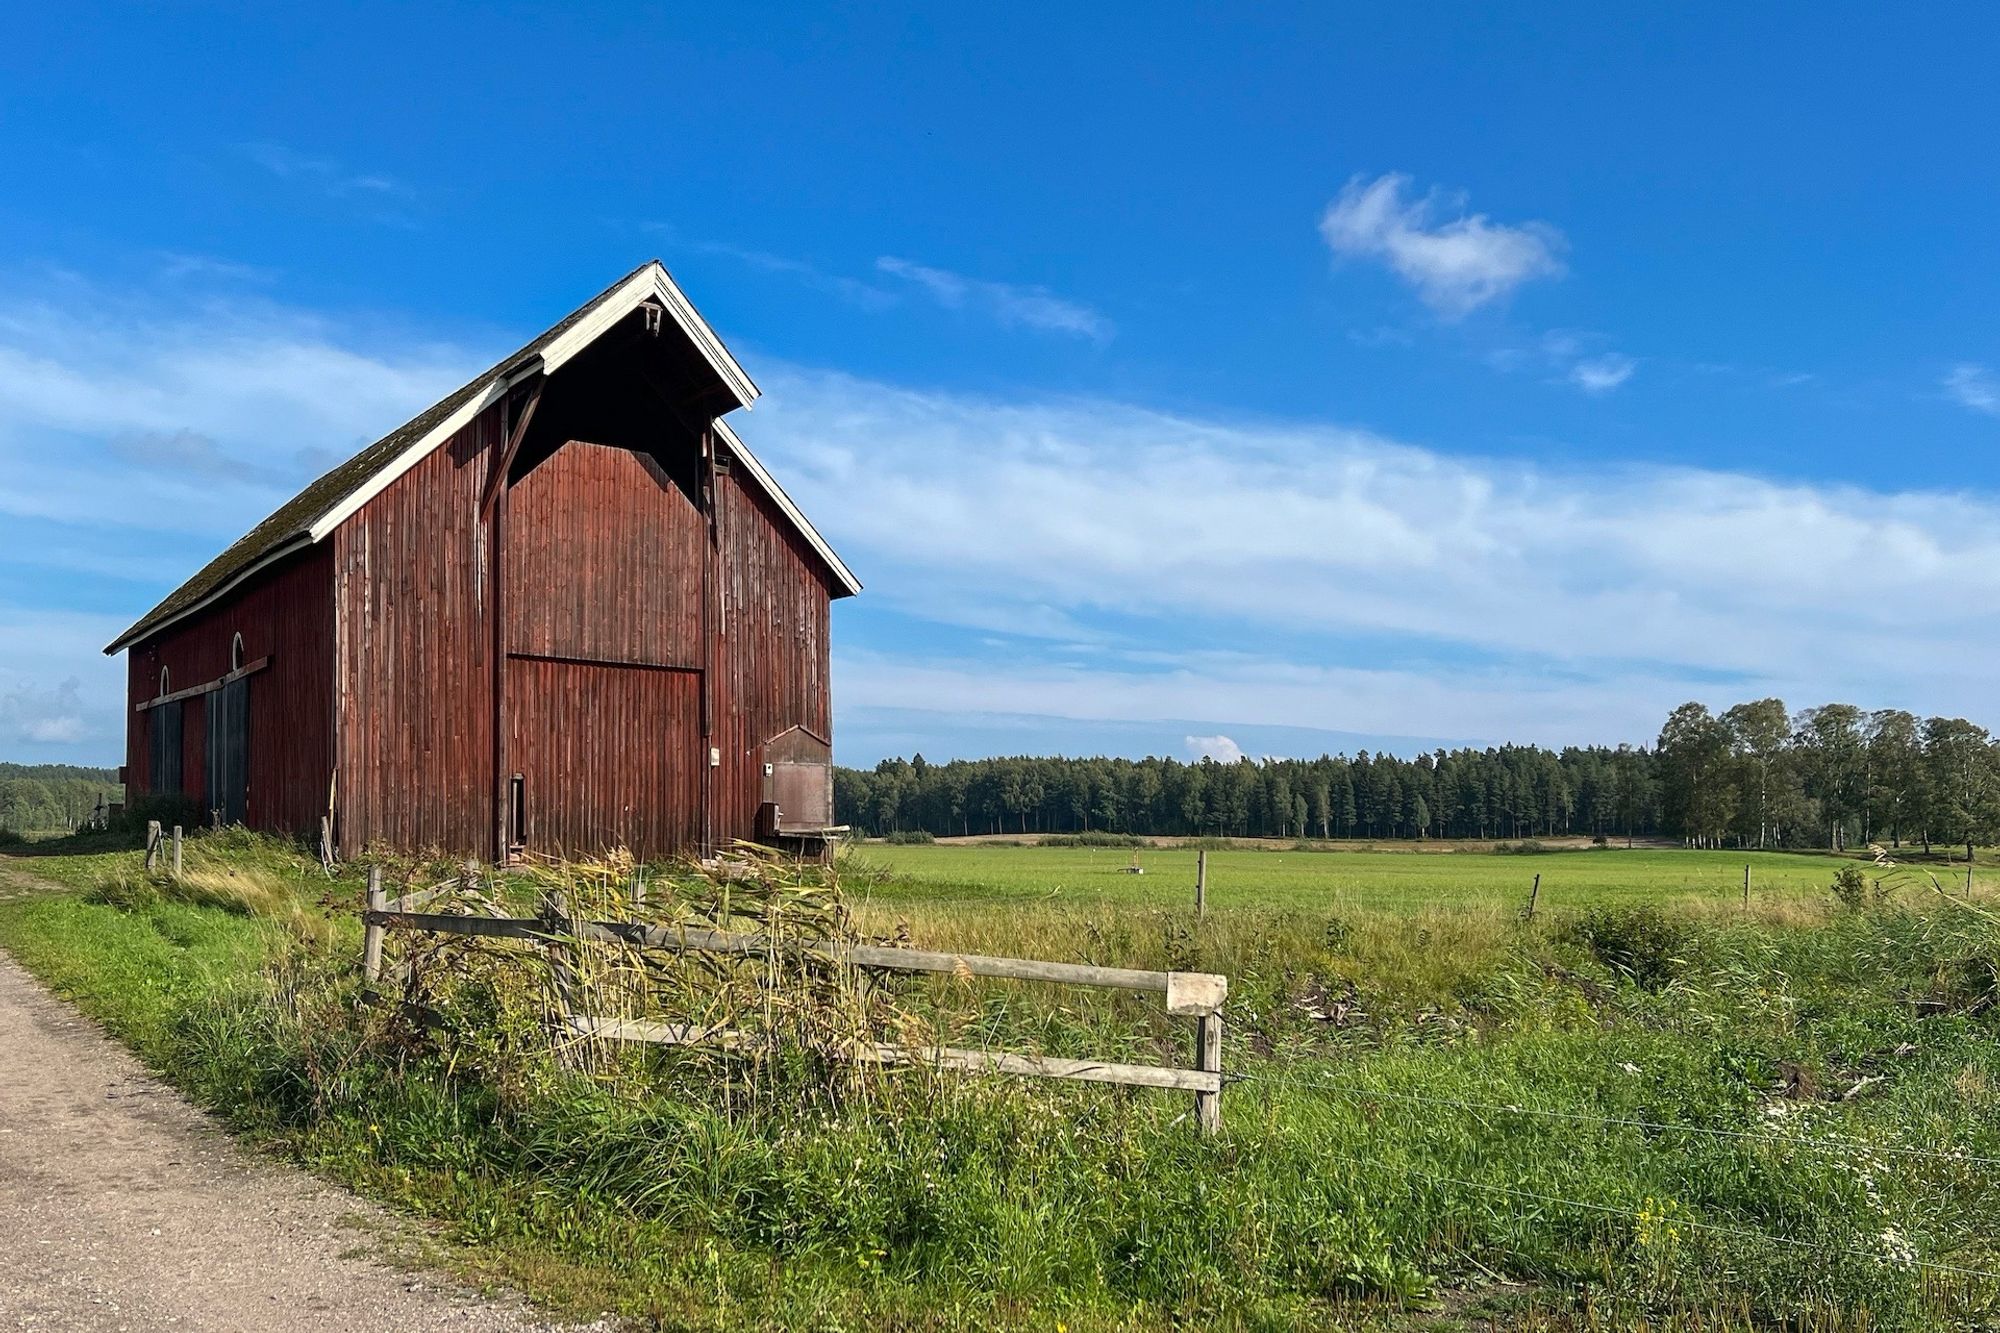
(1201, 882)
(177, 851)
(371, 935)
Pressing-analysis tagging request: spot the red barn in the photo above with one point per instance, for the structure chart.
(561, 609)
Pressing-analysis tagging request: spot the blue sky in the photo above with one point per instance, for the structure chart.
(1177, 379)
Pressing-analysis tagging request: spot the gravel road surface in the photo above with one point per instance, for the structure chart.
(123, 1207)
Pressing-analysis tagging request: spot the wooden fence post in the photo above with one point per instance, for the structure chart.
(1746, 885)
(1208, 1059)
(1201, 882)
(152, 844)
(371, 936)
(1534, 897)
(177, 851)
(555, 911)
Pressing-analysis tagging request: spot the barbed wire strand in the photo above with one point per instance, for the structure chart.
(1505, 1108)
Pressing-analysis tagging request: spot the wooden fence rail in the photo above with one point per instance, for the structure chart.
(1196, 994)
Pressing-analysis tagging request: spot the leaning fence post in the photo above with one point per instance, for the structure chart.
(177, 851)
(1201, 882)
(371, 935)
(152, 844)
(1208, 1059)
(1534, 896)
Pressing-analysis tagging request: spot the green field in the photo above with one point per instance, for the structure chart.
(1346, 881)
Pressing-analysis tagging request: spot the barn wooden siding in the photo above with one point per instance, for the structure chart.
(603, 576)
(610, 755)
(285, 614)
(604, 558)
(774, 648)
(413, 659)
(602, 588)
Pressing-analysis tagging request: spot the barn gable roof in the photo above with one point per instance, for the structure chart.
(313, 514)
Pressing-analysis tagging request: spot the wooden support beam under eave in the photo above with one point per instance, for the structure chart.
(496, 479)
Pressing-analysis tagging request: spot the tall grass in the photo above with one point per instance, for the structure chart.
(1384, 1150)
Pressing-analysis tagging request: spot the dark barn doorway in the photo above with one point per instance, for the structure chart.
(228, 787)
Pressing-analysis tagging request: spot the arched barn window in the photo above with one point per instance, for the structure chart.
(236, 652)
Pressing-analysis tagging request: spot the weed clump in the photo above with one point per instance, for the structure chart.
(1640, 943)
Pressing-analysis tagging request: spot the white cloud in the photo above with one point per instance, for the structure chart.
(1121, 563)
(59, 695)
(1219, 748)
(1367, 584)
(164, 421)
(1975, 387)
(1602, 374)
(1011, 305)
(322, 173)
(1456, 265)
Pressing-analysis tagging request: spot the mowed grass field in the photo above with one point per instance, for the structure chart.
(1349, 881)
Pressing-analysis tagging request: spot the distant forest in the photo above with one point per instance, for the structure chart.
(1756, 775)
(38, 798)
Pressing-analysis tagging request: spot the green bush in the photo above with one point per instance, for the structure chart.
(1850, 887)
(1641, 943)
(909, 837)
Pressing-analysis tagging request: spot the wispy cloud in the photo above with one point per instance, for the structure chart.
(1602, 374)
(1366, 584)
(1564, 356)
(372, 195)
(864, 294)
(1455, 263)
(1975, 387)
(1011, 305)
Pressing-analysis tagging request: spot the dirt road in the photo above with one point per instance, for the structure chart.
(123, 1207)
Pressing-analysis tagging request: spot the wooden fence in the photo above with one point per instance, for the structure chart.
(1199, 995)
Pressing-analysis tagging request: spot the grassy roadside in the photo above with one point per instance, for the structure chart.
(1373, 1172)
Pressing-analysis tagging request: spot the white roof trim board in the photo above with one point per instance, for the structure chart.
(323, 526)
(770, 487)
(649, 282)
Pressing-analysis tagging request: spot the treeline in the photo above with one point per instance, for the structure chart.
(1755, 775)
(37, 798)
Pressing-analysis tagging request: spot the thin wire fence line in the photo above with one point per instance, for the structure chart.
(1739, 1233)
(1585, 1117)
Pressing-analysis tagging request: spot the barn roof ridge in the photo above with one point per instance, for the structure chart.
(335, 495)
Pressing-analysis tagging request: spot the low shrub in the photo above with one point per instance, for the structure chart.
(1641, 943)
(909, 837)
(1096, 838)
(1850, 888)
(9, 838)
